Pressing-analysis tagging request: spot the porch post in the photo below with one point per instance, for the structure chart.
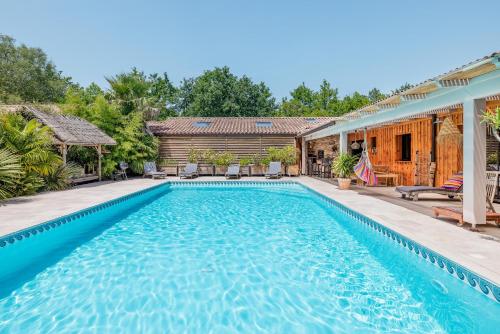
(99, 153)
(343, 142)
(303, 169)
(64, 150)
(474, 163)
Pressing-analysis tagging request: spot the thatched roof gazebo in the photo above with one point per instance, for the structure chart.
(67, 130)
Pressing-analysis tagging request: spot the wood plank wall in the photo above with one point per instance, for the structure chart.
(448, 153)
(177, 148)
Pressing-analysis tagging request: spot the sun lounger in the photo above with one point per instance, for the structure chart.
(150, 170)
(233, 171)
(190, 171)
(452, 187)
(274, 170)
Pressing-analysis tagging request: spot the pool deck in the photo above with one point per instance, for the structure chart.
(476, 251)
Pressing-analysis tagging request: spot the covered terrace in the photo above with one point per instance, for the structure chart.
(402, 130)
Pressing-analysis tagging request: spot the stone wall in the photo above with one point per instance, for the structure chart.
(329, 145)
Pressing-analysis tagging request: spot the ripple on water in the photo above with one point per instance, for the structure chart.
(240, 260)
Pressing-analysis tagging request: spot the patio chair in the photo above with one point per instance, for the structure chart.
(274, 170)
(452, 187)
(122, 171)
(190, 171)
(233, 171)
(457, 213)
(150, 170)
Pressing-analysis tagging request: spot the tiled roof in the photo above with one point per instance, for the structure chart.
(212, 126)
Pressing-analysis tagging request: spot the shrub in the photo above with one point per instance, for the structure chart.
(343, 165)
(245, 161)
(257, 159)
(32, 143)
(10, 171)
(287, 155)
(224, 159)
(209, 156)
(194, 155)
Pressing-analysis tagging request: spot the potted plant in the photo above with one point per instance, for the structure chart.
(492, 119)
(209, 157)
(276, 154)
(194, 155)
(256, 168)
(289, 159)
(222, 161)
(343, 168)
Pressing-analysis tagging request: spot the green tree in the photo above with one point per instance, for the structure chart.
(218, 92)
(375, 95)
(134, 144)
(403, 87)
(152, 95)
(324, 102)
(26, 75)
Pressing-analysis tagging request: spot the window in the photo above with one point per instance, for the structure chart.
(201, 124)
(263, 124)
(311, 120)
(373, 142)
(403, 148)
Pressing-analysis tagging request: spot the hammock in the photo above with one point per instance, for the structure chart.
(364, 170)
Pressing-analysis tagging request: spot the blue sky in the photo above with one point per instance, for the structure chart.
(356, 45)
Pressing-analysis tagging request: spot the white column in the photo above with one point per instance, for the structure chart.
(303, 169)
(474, 162)
(343, 142)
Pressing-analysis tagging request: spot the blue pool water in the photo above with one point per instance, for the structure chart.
(215, 259)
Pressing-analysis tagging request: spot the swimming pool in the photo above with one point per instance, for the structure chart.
(229, 257)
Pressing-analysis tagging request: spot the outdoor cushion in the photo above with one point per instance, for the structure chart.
(454, 183)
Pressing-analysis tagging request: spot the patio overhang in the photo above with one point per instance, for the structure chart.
(444, 97)
(469, 87)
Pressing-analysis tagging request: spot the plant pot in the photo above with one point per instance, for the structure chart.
(169, 170)
(207, 170)
(344, 184)
(293, 170)
(245, 170)
(256, 170)
(220, 170)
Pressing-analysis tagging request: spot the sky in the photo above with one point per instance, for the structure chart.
(356, 45)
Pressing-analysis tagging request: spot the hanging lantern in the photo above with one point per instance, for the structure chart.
(449, 131)
(355, 145)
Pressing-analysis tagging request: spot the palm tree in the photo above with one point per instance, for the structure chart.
(31, 142)
(10, 171)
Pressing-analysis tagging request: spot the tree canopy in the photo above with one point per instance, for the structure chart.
(218, 92)
(305, 101)
(133, 97)
(26, 75)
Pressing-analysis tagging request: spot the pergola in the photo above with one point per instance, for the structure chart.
(71, 131)
(469, 86)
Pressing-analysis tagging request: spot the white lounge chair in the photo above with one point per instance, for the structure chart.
(233, 171)
(150, 170)
(274, 170)
(190, 171)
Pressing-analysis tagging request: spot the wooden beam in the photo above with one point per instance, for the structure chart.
(99, 155)
(64, 151)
